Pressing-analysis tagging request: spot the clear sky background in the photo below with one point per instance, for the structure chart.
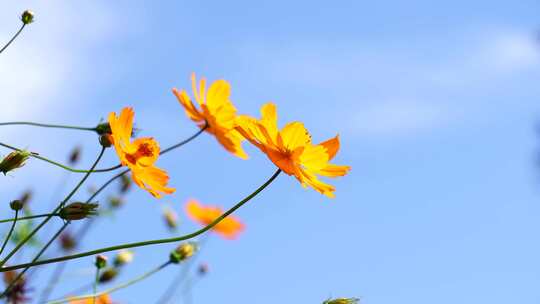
(436, 105)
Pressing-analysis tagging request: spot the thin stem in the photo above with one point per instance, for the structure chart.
(151, 242)
(35, 155)
(10, 232)
(20, 275)
(12, 123)
(31, 234)
(185, 141)
(28, 218)
(113, 289)
(14, 37)
(96, 280)
(53, 281)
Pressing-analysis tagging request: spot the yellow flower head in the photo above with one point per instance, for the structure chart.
(138, 155)
(216, 111)
(291, 149)
(102, 299)
(230, 227)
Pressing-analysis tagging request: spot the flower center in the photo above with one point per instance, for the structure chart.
(144, 150)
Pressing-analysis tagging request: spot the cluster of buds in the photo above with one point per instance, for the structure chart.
(78, 211)
(342, 301)
(183, 252)
(14, 160)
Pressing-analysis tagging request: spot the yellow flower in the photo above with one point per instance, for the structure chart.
(102, 299)
(230, 227)
(138, 155)
(291, 149)
(216, 111)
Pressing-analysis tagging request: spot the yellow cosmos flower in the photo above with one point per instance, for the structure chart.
(102, 299)
(229, 228)
(138, 155)
(216, 112)
(291, 149)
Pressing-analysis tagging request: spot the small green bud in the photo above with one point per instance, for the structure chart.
(183, 252)
(115, 201)
(27, 17)
(101, 261)
(103, 128)
(14, 160)
(123, 257)
(106, 140)
(342, 301)
(108, 275)
(78, 211)
(16, 205)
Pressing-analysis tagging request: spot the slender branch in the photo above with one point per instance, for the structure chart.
(35, 155)
(12, 123)
(28, 218)
(20, 275)
(31, 234)
(96, 280)
(13, 38)
(185, 141)
(151, 242)
(10, 231)
(113, 289)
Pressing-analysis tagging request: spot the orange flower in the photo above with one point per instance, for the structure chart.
(138, 155)
(229, 227)
(291, 149)
(216, 110)
(102, 299)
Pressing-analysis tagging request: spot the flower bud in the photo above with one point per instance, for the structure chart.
(27, 17)
(78, 211)
(171, 218)
(75, 155)
(106, 140)
(115, 201)
(101, 261)
(108, 275)
(123, 257)
(26, 197)
(342, 301)
(14, 160)
(67, 242)
(103, 128)
(183, 252)
(16, 205)
(125, 183)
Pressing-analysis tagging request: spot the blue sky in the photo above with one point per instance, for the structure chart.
(436, 106)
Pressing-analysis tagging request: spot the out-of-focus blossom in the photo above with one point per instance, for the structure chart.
(230, 227)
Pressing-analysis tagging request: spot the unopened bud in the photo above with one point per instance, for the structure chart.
(171, 218)
(103, 128)
(16, 205)
(183, 252)
(75, 155)
(14, 160)
(123, 257)
(108, 275)
(67, 242)
(342, 301)
(115, 201)
(101, 261)
(106, 140)
(27, 17)
(78, 211)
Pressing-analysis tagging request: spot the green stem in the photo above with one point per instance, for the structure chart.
(113, 289)
(35, 155)
(28, 218)
(20, 275)
(12, 123)
(95, 286)
(14, 37)
(31, 234)
(185, 141)
(151, 242)
(10, 231)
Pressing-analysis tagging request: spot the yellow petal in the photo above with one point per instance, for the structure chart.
(332, 146)
(294, 135)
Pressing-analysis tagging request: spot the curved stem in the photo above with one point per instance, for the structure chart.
(94, 290)
(28, 123)
(10, 231)
(31, 234)
(151, 242)
(14, 37)
(185, 141)
(28, 218)
(113, 289)
(35, 155)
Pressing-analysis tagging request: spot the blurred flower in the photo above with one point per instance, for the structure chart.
(14, 160)
(229, 227)
(123, 257)
(342, 301)
(75, 155)
(108, 275)
(171, 218)
(125, 183)
(291, 149)
(216, 110)
(139, 156)
(67, 241)
(26, 197)
(115, 201)
(78, 211)
(102, 299)
(17, 294)
(183, 252)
